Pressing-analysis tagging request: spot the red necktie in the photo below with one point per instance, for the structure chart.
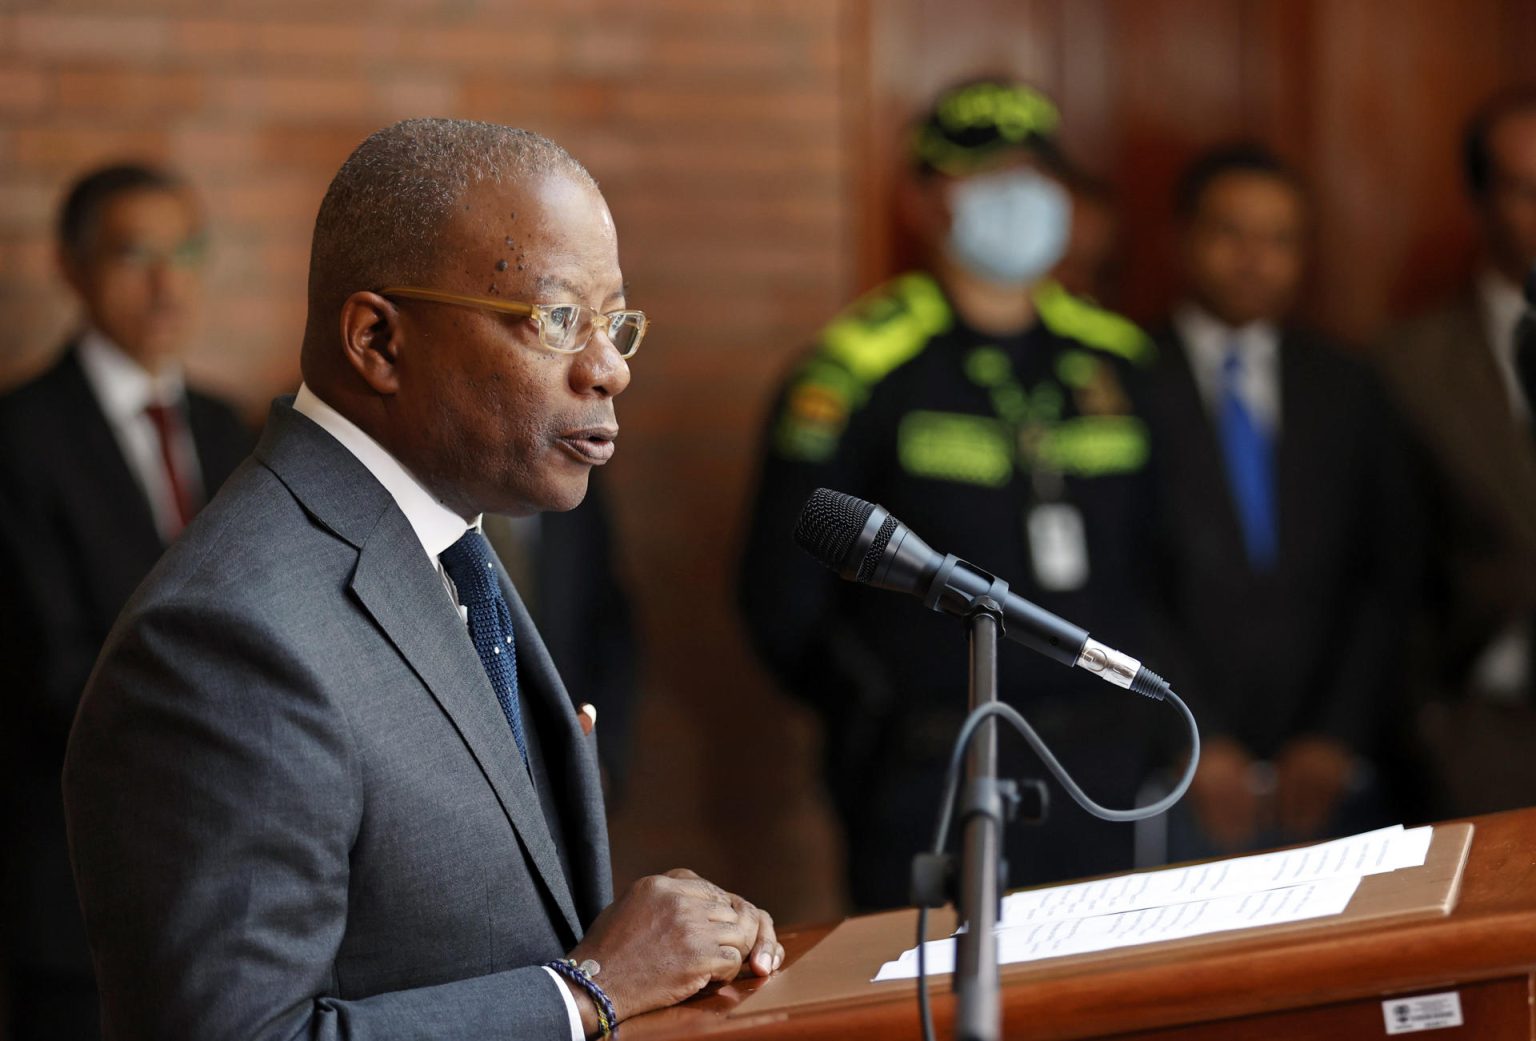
(167, 421)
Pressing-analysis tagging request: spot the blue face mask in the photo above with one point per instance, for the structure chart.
(1010, 227)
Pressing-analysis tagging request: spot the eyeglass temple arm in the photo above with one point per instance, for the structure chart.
(438, 296)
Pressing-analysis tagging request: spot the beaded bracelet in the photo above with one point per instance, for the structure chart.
(581, 975)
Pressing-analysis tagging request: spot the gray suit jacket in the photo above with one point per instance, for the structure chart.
(295, 807)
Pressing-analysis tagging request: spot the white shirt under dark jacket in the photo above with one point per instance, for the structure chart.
(436, 526)
(124, 389)
(1206, 342)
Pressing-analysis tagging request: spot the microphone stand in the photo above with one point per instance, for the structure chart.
(978, 1013)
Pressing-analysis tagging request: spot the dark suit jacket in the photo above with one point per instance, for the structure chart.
(1314, 646)
(295, 807)
(1482, 467)
(76, 537)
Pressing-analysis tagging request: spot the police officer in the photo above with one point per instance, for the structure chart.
(992, 412)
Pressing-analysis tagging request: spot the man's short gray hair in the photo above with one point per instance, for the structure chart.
(382, 216)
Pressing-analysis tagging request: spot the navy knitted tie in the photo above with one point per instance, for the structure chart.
(471, 566)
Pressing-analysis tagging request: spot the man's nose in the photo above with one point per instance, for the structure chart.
(600, 368)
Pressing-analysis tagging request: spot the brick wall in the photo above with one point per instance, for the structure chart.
(717, 128)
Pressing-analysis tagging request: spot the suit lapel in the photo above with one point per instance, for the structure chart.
(402, 592)
(579, 791)
(400, 589)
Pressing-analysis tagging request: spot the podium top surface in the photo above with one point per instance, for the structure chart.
(1394, 938)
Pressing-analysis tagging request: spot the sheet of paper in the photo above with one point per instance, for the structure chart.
(1173, 903)
(1032, 941)
(1371, 853)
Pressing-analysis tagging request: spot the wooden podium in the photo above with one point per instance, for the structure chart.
(1324, 982)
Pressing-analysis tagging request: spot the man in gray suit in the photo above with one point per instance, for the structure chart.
(325, 781)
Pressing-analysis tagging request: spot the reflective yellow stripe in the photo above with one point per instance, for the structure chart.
(954, 446)
(1096, 445)
(1077, 319)
(887, 328)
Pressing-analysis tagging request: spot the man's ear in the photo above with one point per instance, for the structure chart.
(371, 340)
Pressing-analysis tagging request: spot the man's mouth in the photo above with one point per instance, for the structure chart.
(594, 445)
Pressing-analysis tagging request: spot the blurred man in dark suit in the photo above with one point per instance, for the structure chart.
(103, 459)
(1288, 524)
(1453, 372)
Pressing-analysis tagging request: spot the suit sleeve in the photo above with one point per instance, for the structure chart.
(213, 796)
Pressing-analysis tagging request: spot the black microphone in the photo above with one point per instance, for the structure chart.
(864, 543)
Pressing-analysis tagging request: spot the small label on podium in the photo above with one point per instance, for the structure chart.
(1422, 1012)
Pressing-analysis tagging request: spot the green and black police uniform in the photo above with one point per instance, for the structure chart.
(1022, 454)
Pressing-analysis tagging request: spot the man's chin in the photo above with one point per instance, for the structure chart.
(555, 497)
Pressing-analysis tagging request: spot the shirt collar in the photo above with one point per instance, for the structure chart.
(123, 386)
(436, 526)
(1205, 333)
(1503, 304)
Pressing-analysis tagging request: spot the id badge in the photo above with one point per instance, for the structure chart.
(1058, 546)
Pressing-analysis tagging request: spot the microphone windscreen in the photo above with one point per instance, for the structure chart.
(829, 522)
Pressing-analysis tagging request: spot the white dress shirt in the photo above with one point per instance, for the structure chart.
(437, 527)
(1502, 304)
(124, 389)
(1207, 341)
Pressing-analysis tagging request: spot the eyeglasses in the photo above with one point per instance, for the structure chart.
(565, 328)
(140, 256)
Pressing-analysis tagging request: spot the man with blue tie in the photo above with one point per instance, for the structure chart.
(326, 781)
(1288, 528)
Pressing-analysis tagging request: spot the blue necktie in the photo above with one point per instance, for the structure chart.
(471, 566)
(1250, 459)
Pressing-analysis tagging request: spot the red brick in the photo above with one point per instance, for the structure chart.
(527, 50)
(404, 95)
(23, 92)
(298, 97)
(119, 37)
(315, 149)
(66, 148)
(27, 206)
(285, 44)
(130, 91)
(213, 150)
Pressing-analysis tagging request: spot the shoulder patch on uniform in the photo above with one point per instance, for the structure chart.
(887, 327)
(877, 334)
(1092, 326)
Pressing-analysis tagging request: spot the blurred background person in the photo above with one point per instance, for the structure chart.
(566, 571)
(1289, 527)
(1453, 372)
(104, 458)
(989, 409)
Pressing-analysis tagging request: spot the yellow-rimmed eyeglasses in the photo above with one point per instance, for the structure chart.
(566, 328)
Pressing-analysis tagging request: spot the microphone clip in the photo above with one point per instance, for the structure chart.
(943, 595)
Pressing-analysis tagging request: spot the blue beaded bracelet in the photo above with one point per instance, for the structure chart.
(581, 975)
